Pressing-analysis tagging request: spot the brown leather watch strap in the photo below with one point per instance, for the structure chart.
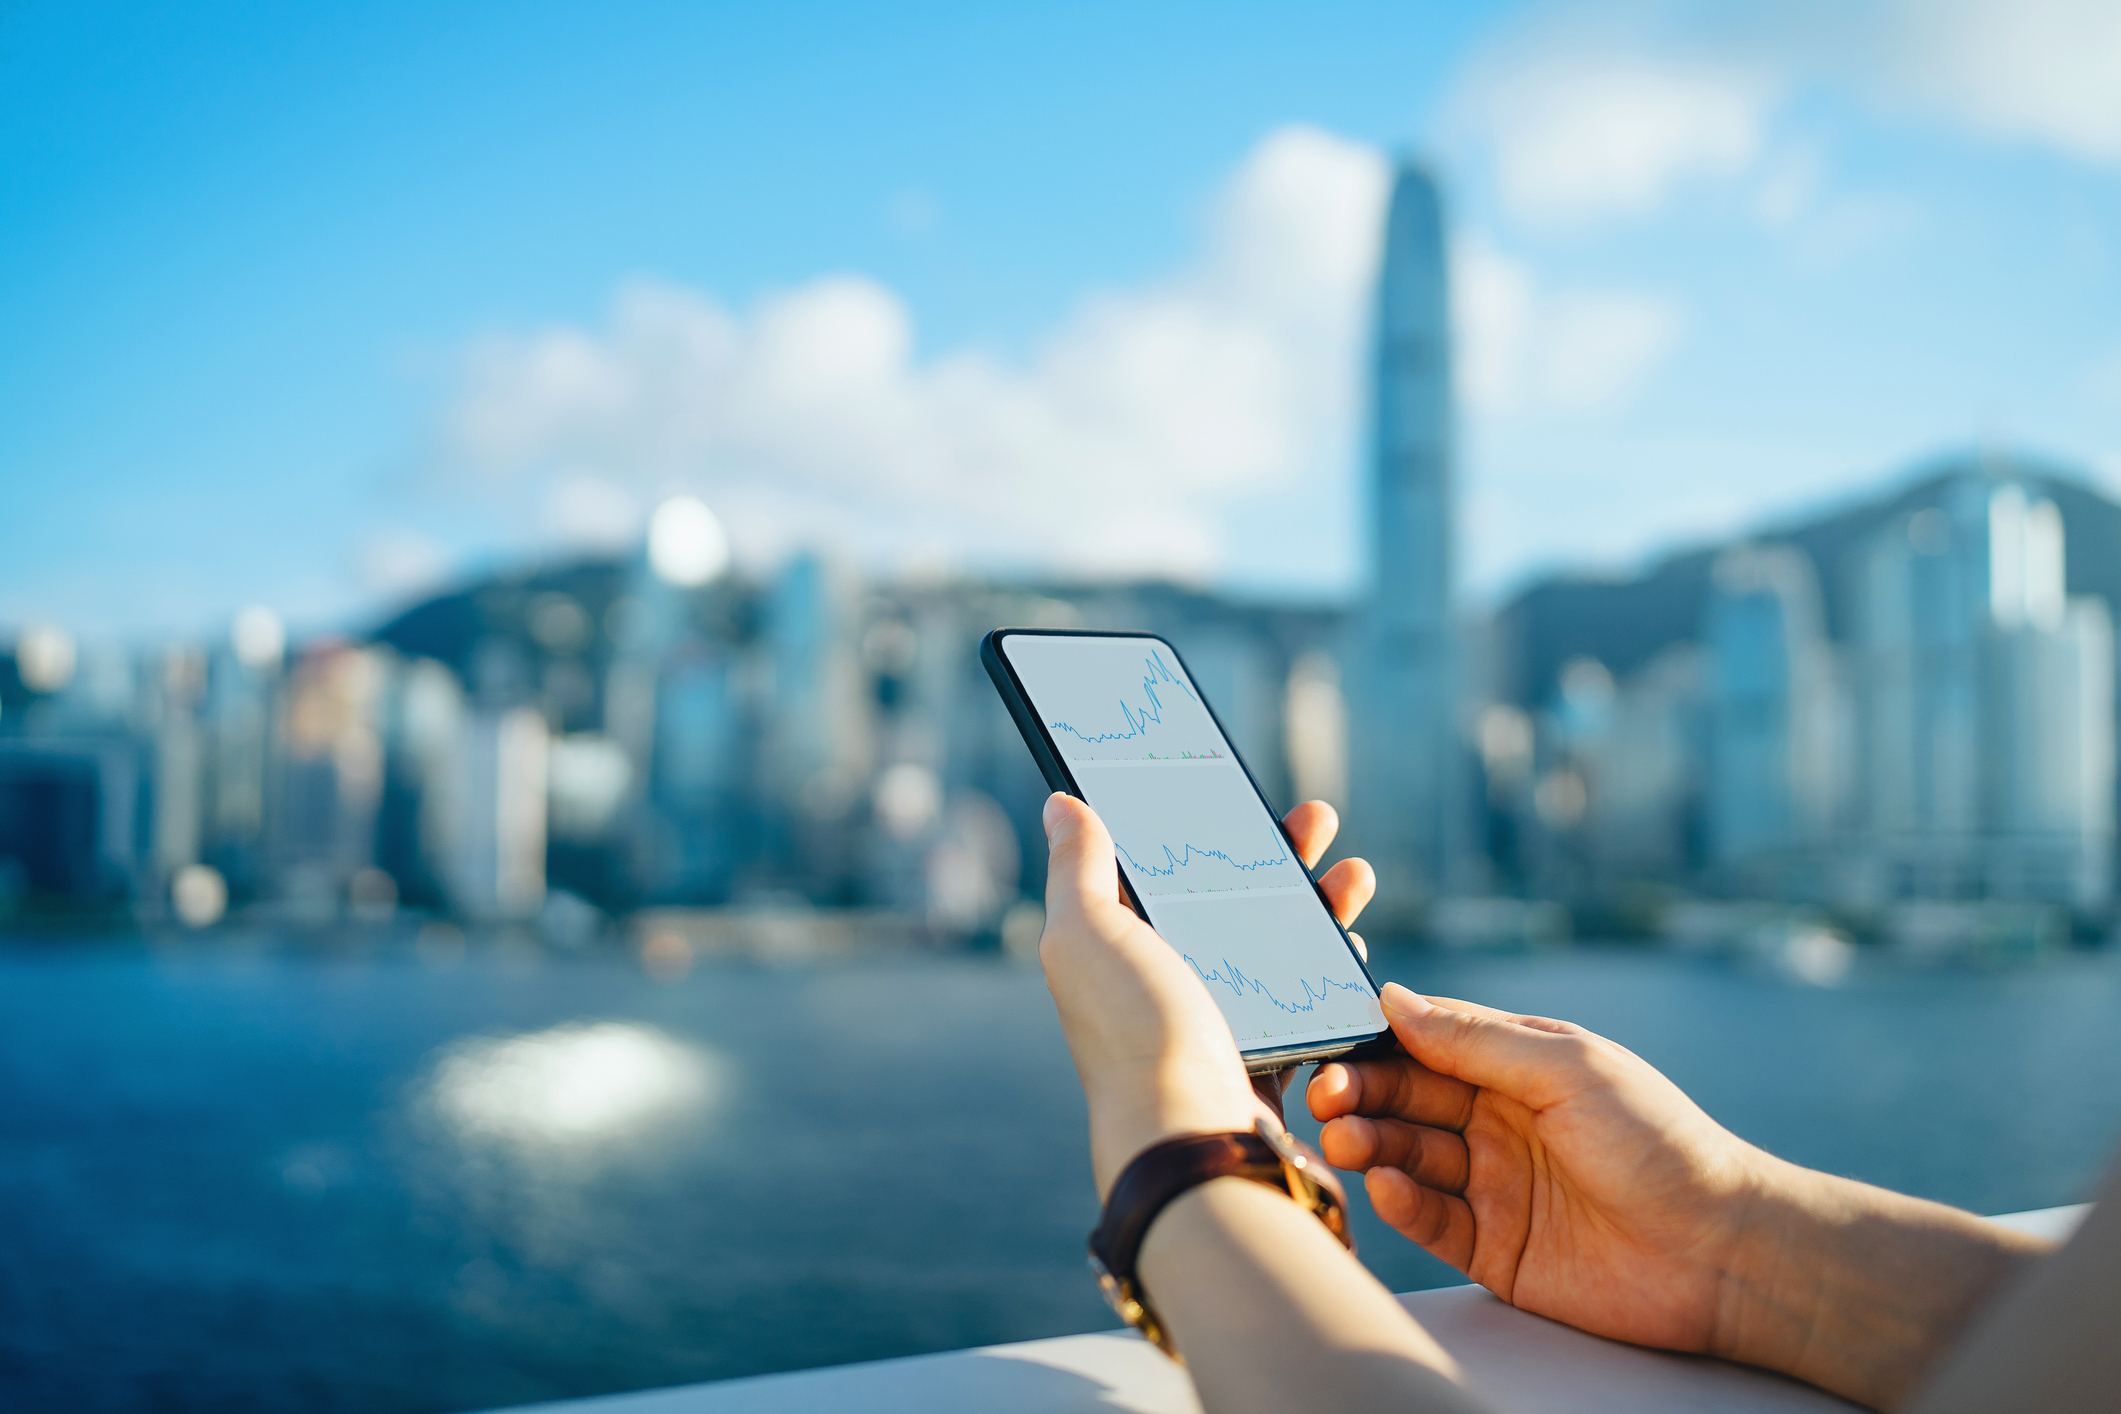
(1164, 1171)
(1167, 1170)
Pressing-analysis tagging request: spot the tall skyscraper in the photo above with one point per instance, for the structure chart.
(1771, 716)
(1989, 719)
(501, 804)
(1403, 762)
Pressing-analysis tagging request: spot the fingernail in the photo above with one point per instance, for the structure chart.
(1402, 1001)
(1052, 813)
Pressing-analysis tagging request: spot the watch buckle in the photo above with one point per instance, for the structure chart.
(1116, 1294)
(1295, 1164)
(1119, 1295)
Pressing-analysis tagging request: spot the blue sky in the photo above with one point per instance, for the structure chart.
(316, 306)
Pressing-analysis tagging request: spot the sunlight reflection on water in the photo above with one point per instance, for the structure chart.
(570, 1086)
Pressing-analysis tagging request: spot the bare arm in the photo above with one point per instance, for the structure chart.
(1860, 1290)
(2053, 1342)
(1274, 1315)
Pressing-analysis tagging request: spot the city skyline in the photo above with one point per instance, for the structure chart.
(1763, 258)
(1909, 699)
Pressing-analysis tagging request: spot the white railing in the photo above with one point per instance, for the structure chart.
(1522, 1363)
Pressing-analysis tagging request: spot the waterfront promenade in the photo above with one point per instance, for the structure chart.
(1524, 1363)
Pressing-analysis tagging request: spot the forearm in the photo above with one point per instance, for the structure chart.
(1272, 1314)
(2050, 1342)
(1855, 1289)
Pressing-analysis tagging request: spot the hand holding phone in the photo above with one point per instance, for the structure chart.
(1155, 1055)
(1115, 720)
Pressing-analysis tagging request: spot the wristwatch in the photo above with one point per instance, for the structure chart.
(1164, 1171)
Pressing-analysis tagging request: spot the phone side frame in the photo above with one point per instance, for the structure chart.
(1050, 764)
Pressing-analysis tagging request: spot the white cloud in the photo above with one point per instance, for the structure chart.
(1601, 346)
(1523, 348)
(2044, 70)
(395, 564)
(1788, 186)
(1116, 445)
(1601, 110)
(1852, 224)
(593, 512)
(1577, 135)
(1492, 308)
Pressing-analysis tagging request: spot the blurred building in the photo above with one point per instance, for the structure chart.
(1403, 673)
(1987, 705)
(814, 738)
(496, 859)
(327, 785)
(1910, 698)
(237, 717)
(1772, 709)
(1646, 784)
(1907, 699)
(424, 816)
(818, 738)
(67, 820)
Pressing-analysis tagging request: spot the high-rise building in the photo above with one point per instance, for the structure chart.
(1771, 699)
(1403, 675)
(1645, 773)
(238, 714)
(68, 811)
(174, 682)
(700, 786)
(819, 739)
(422, 822)
(328, 781)
(499, 855)
(1988, 704)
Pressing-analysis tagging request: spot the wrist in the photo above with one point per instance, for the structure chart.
(1770, 1280)
(1129, 1113)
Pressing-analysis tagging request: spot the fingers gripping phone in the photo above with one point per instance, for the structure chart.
(1115, 720)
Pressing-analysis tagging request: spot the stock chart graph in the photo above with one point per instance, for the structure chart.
(1176, 861)
(1194, 839)
(1191, 829)
(1131, 703)
(1230, 975)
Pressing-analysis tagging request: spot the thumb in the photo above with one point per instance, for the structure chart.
(1081, 868)
(1484, 1049)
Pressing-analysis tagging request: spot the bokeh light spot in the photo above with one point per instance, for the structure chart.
(577, 1084)
(686, 543)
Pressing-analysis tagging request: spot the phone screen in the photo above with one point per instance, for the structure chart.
(1196, 840)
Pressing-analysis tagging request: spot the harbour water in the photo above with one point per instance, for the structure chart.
(236, 1175)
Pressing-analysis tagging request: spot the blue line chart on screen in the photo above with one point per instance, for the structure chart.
(1138, 719)
(1175, 860)
(1230, 976)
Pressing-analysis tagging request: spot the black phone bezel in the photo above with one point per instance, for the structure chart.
(994, 656)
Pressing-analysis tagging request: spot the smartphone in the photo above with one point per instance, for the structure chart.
(1115, 720)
